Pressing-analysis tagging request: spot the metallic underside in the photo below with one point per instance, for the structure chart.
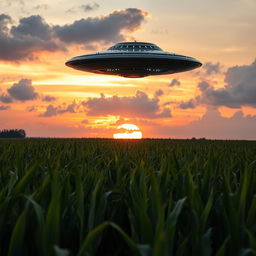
(133, 67)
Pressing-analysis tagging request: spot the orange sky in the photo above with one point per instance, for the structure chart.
(216, 101)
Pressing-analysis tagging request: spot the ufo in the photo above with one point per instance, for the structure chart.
(133, 60)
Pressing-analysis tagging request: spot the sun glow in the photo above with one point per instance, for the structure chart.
(128, 131)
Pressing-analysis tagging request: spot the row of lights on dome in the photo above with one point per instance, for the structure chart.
(135, 50)
(153, 69)
(148, 69)
(112, 69)
(133, 46)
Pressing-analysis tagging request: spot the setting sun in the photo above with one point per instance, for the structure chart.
(128, 131)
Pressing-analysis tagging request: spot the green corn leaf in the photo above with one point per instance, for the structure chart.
(222, 250)
(207, 210)
(22, 184)
(182, 247)
(60, 252)
(247, 252)
(206, 249)
(131, 244)
(173, 217)
(252, 213)
(38, 210)
(52, 223)
(252, 239)
(17, 238)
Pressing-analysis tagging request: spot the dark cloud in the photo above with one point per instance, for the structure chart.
(5, 98)
(50, 111)
(106, 29)
(211, 68)
(203, 85)
(58, 110)
(23, 90)
(187, 104)
(4, 21)
(159, 93)
(240, 89)
(4, 107)
(48, 98)
(33, 26)
(32, 34)
(174, 82)
(89, 7)
(20, 42)
(139, 105)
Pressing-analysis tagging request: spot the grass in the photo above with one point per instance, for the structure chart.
(108, 197)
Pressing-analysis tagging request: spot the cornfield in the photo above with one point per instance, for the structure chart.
(140, 197)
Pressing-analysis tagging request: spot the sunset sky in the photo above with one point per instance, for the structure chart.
(40, 94)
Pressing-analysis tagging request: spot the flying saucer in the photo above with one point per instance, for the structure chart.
(133, 59)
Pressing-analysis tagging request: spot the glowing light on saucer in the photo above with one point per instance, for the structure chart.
(128, 131)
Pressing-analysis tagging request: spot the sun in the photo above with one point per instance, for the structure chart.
(128, 131)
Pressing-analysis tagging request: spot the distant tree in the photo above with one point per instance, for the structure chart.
(13, 133)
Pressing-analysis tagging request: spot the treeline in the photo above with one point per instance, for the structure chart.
(13, 133)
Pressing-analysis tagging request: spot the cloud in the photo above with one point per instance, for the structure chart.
(4, 107)
(31, 108)
(23, 90)
(34, 27)
(120, 121)
(5, 98)
(211, 68)
(203, 85)
(105, 29)
(20, 42)
(159, 93)
(174, 82)
(214, 126)
(41, 7)
(89, 7)
(50, 111)
(139, 105)
(32, 34)
(48, 98)
(58, 110)
(84, 7)
(187, 104)
(240, 89)
(4, 20)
